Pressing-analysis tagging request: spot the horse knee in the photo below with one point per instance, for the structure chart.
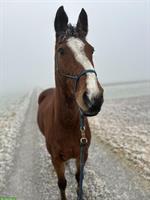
(62, 183)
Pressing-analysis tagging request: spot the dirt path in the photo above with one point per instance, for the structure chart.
(33, 176)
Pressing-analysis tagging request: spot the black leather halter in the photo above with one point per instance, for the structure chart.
(76, 78)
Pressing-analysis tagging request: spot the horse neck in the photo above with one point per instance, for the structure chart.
(67, 110)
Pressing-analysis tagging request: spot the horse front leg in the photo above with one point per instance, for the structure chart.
(59, 166)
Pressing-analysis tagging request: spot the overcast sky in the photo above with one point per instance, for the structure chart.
(118, 29)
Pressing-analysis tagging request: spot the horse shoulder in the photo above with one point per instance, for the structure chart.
(48, 92)
(46, 109)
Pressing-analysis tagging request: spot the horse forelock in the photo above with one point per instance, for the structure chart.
(71, 31)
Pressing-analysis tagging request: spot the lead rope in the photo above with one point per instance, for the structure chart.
(83, 142)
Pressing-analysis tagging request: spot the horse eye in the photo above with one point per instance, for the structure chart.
(61, 51)
(93, 50)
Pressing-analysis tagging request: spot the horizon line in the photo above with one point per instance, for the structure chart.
(125, 82)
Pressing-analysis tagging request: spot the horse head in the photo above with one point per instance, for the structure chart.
(74, 67)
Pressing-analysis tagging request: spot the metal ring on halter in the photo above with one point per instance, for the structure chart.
(82, 129)
(83, 140)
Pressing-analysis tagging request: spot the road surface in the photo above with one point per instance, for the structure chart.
(107, 176)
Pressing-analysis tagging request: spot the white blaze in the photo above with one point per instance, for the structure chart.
(77, 47)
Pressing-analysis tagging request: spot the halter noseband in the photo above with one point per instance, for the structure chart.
(76, 78)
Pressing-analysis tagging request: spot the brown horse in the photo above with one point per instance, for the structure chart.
(77, 88)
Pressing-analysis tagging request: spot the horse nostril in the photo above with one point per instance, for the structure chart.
(97, 102)
(94, 103)
(100, 98)
(86, 100)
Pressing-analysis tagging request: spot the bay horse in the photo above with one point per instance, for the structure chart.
(77, 88)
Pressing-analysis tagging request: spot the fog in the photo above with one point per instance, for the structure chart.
(118, 30)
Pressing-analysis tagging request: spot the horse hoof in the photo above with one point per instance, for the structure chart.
(63, 196)
(77, 191)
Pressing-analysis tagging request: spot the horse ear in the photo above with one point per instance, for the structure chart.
(61, 21)
(82, 24)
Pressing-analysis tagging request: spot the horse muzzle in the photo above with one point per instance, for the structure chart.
(93, 105)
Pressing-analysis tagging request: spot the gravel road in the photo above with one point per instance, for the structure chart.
(107, 176)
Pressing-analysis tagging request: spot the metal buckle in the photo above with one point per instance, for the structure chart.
(83, 140)
(82, 129)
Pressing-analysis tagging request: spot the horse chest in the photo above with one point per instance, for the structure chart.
(69, 149)
(68, 153)
(65, 143)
